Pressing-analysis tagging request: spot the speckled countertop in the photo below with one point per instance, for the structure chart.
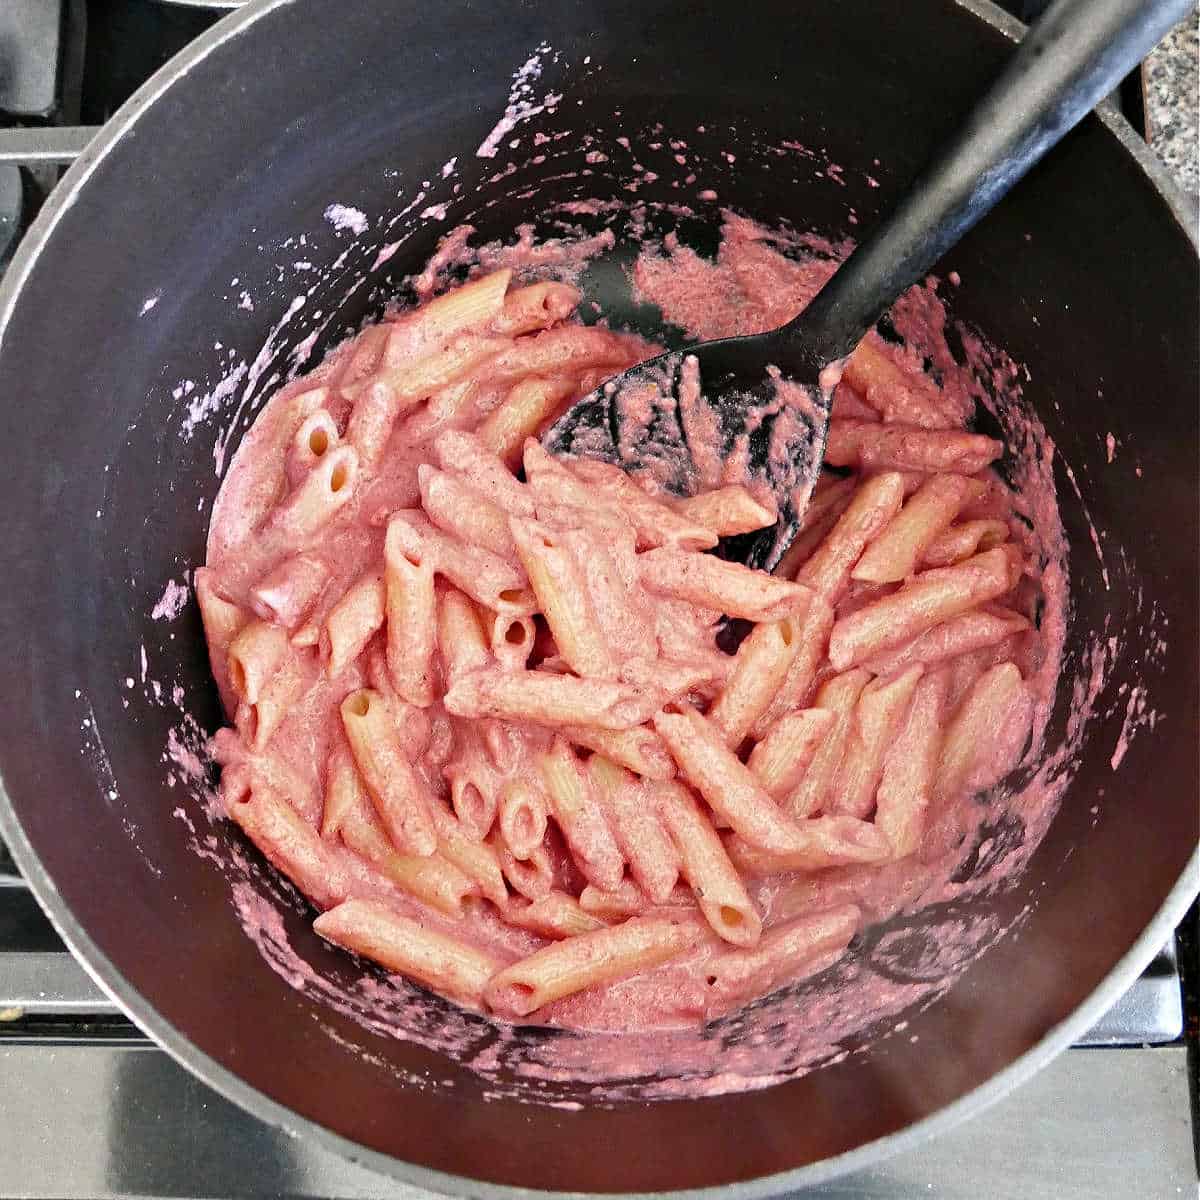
(1172, 86)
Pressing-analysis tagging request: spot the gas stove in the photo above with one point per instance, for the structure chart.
(90, 1107)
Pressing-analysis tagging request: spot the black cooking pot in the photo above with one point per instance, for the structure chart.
(125, 307)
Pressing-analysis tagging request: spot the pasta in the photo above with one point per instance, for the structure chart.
(476, 687)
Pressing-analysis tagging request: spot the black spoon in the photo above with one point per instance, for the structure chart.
(1075, 55)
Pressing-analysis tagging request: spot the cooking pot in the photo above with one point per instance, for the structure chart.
(264, 194)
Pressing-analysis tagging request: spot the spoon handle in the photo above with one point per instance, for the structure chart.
(1068, 61)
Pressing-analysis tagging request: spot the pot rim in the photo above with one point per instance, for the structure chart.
(233, 1087)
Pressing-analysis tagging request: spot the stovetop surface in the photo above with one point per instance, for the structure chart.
(90, 1108)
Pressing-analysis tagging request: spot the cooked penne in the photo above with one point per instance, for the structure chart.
(352, 622)
(779, 761)
(372, 420)
(400, 944)
(998, 699)
(838, 696)
(522, 817)
(431, 879)
(476, 860)
(969, 631)
(556, 915)
(654, 522)
(898, 396)
(412, 627)
(874, 504)
(222, 620)
(728, 587)
(910, 768)
(473, 304)
(793, 691)
(460, 635)
(324, 491)
(964, 540)
(285, 838)
(874, 447)
(344, 792)
(727, 511)
(901, 547)
(727, 785)
(363, 357)
(460, 511)
(255, 655)
(532, 877)
(528, 405)
(782, 954)
(468, 456)
(640, 749)
(474, 792)
(760, 667)
(931, 598)
(566, 351)
(580, 816)
(562, 598)
(487, 578)
(625, 900)
(821, 842)
(417, 380)
(285, 594)
(512, 639)
(317, 435)
(547, 699)
(396, 790)
(639, 833)
(877, 718)
(581, 962)
(705, 865)
(258, 719)
(537, 306)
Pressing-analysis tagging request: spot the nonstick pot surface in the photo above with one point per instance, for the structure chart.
(131, 286)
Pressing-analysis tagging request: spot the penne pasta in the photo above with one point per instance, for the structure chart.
(344, 792)
(581, 962)
(411, 607)
(532, 877)
(255, 655)
(964, 540)
(433, 880)
(562, 599)
(640, 749)
(469, 306)
(929, 599)
(397, 792)
(556, 915)
(547, 698)
(822, 842)
(478, 861)
(813, 636)
(460, 511)
(528, 405)
(468, 456)
(566, 351)
(639, 833)
(324, 491)
(976, 629)
(871, 446)
(873, 506)
(372, 419)
(897, 395)
(780, 760)
(317, 435)
(725, 783)
(900, 548)
(838, 696)
(352, 622)
(285, 839)
(474, 792)
(881, 709)
(727, 587)
(460, 635)
(578, 813)
(512, 639)
(523, 812)
(705, 865)
(760, 667)
(400, 944)
(910, 769)
(223, 621)
(257, 720)
(537, 306)
(727, 511)
(286, 594)
(786, 952)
